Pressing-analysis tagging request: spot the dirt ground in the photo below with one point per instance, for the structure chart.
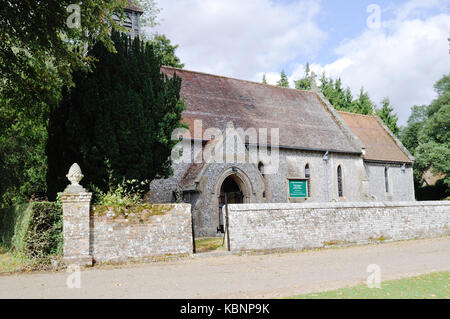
(233, 276)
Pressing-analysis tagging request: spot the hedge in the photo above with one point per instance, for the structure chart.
(34, 229)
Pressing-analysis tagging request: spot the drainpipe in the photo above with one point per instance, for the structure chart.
(325, 162)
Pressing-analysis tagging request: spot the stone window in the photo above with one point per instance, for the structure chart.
(386, 179)
(340, 186)
(261, 170)
(308, 177)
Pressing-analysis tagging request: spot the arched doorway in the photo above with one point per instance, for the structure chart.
(230, 193)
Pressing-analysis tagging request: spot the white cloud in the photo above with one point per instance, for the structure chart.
(241, 38)
(401, 60)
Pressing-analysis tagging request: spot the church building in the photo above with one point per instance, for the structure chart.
(287, 146)
(305, 151)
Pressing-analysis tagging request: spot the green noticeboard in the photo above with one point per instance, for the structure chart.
(298, 188)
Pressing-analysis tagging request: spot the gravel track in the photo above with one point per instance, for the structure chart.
(233, 276)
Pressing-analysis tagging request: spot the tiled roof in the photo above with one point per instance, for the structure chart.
(133, 7)
(303, 121)
(380, 144)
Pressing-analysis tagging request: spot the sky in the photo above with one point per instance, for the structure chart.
(392, 48)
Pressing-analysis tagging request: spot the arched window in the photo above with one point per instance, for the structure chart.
(261, 170)
(386, 179)
(308, 177)
(339, 176)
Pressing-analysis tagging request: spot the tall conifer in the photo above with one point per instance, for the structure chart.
(118, 120)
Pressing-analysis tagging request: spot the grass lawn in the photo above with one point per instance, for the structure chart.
(430, 286)
(209, 244)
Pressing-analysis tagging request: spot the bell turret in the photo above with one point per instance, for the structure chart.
(132, 16)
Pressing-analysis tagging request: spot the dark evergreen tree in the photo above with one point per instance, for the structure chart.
(387, 115)
(305, 83)
(118, 120)
(264, 79)
(363, 105)
(284, 81)
(341, 99)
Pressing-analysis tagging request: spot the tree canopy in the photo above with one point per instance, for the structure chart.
(427, 134)
(166, 51)
(36, 38)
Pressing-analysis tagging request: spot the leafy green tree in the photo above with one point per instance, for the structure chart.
(409, 135)
(150, 12)
(433, 151)
(284, 81)
(436, 157)
(442, 100)
(427, 135)
(443, 85)
(166, 51)
(33, 33)
(118, 120)
(22, 161)
(387, 115)
(437, 127)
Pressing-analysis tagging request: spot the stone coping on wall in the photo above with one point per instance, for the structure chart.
(146, 209)
(295, 206)
(76, 197)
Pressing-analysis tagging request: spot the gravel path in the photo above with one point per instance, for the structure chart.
(232, 276)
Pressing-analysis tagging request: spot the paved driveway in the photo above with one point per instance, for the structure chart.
(263, 276)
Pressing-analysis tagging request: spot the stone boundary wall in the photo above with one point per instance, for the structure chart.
(263, 227)
(154, 231)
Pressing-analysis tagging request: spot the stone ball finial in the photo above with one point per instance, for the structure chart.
(75, 175)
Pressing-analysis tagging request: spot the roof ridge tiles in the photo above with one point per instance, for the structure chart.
(359, 114)
(236, 79)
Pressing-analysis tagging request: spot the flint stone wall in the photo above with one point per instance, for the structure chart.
(254, 227)
(159, 231)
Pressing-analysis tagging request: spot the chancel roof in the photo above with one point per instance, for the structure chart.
(379, 143)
